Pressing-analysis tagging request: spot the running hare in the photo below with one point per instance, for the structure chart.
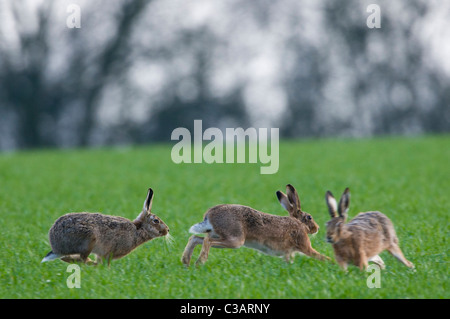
(361, 239)
(76, 235)
(233, 226)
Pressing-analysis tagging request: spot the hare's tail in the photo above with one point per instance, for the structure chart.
(50, 256)
(201, 228)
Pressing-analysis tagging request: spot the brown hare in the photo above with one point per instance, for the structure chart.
(361, 239)
(233, 226)
(76, 235)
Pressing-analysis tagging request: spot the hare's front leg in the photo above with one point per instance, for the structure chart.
(289, 257)
(307, 249)
(189, 250)
(361, 260)
(107, 258)
(311, 252)
(342, 263)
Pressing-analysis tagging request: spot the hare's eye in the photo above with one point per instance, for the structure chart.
(309, 217)
(156, 221)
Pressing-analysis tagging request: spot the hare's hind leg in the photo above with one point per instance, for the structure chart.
(75, 258)
(82, 256)
(230, 242)
(188, 251)
(377, 260)
(397, 253)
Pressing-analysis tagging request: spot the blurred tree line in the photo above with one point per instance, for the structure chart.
(138, 69)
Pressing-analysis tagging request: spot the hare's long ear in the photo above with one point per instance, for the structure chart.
(344, 202)
(148, 201)
(293, 196)
(284, 201)
(147, 206)
(331, 203)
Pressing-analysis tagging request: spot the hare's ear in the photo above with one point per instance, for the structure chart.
(293, 196)
(284, 201)
(331, 203)
(148, 201)
(344, 202)
(147, 206)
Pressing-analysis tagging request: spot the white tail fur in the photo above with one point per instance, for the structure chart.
(201, 228)
(50, 256)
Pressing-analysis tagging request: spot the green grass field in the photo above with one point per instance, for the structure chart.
(408, 179)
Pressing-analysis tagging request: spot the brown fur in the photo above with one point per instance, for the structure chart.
(76, 235)
(363, 238)
(233, 226)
